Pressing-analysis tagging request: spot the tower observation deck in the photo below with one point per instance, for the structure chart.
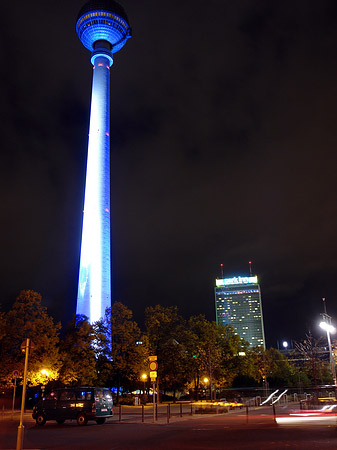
(102, 26)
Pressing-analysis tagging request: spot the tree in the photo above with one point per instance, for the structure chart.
(102, 349)
(167, 335)
(272, 367)
(215, 350)
(206, 349)
(128, 347)
(78, 354)
(314, 367)
(29, 319)
(280, 372)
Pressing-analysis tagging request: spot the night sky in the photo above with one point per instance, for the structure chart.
(223, 150)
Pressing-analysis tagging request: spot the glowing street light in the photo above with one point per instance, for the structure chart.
(206, 380)
(144, 378)
(330, 329)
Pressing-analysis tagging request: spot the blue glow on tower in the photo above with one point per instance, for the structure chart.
(102, 27)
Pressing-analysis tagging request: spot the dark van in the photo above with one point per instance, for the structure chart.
(80, 403)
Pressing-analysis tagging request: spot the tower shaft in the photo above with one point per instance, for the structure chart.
(94, 287)
(102, 26)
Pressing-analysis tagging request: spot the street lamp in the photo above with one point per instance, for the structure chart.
(144, 378)
(330, 329)
(44, 378)
(285, 344)
(206, 380)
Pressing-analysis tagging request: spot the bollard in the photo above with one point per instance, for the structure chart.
(169, 410)
(142, 413)
(246, 412)
(181, 410)
(191, 410)
(274, 412)
(168, 413)
(120, 413)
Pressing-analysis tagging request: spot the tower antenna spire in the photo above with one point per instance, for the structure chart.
(250, 269)
(221, 265)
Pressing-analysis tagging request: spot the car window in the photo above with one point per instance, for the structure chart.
(107, 395)
(84, 395)
(67, 395)
(50, 396)
(99, 394)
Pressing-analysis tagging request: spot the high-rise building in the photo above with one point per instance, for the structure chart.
(238, 302)
(102, 26)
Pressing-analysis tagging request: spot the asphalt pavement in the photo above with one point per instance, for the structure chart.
(232, 430)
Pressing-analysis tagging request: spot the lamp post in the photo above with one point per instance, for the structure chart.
(326, 326)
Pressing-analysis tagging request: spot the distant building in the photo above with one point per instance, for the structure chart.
(238, 303)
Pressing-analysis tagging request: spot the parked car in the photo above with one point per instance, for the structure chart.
(74, 403)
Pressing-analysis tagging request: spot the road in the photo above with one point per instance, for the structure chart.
(197, 432)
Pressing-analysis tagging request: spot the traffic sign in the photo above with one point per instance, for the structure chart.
(153, 374)
(15, 373)
(153, 358)
(153, 366)
(23, 346)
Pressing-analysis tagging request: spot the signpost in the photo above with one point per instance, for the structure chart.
(153, 367)
(25, 347)
(15, 375)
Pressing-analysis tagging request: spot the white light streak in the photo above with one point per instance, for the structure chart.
(270, 396)
(278, 398)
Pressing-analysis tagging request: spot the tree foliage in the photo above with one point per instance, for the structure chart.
(166, 332)
(128, 347)
(29, 319)
(77, 353)
(215, 351)
(316, 369)
(114, 352)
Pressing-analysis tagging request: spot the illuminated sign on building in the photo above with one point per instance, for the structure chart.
(236, 280)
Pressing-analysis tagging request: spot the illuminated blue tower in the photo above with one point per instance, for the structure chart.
(102, 27)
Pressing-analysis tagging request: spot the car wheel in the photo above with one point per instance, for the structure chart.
(40, 419)
(82, 419)
(60, 421)
(100, 421)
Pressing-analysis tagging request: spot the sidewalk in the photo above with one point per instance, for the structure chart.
(177, 412)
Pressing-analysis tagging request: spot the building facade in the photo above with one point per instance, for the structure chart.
(238, 303)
